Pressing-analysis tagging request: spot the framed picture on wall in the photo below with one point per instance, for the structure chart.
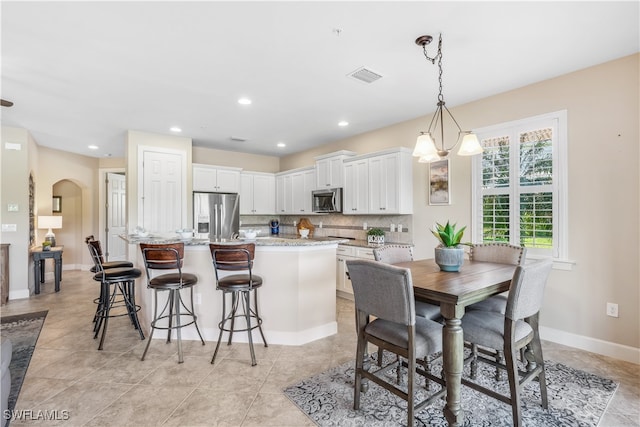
(57, 204)
(439, 190)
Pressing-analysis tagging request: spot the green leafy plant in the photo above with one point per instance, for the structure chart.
(375, 232)
(448, 236)
(46, 243)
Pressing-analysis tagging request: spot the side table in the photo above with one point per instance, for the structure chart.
(39, 257)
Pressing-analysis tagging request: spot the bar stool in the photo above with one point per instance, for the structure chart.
(239, 259)
(92, 242)
(123, 281)
(169, 256)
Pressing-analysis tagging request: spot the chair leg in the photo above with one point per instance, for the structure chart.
(514, 386)
(500, 361)
(105, 316)
(358, 372)
(234, 309)
(153, 324)
(195, 318)
(411, 370)
(247, 313)
(259, 320)
(474, 360)
(380, 354)
(171, 309)
(221, 325)
(176, 297)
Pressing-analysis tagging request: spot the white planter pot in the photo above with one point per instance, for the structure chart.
(449, 259)
(375, 240)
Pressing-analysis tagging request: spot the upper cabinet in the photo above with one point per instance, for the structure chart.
(216, 179)
(379, 183)
(329, 169)
(257, 193)
(293, 191)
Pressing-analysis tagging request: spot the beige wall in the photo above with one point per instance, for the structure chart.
(603, 131)
(248, 162)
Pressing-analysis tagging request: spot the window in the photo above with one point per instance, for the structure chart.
(519, 185)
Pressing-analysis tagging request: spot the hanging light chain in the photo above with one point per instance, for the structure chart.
(439, 56)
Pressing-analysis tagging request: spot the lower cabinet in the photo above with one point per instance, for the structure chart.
(343, 254)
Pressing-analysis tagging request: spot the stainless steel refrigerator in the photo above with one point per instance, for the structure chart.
(216, 216)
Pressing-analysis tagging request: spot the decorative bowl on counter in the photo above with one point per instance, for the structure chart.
(249, 234)
(304, 233)
(185, 234)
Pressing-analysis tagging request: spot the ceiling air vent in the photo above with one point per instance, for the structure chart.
(238, 139)
(365, 75)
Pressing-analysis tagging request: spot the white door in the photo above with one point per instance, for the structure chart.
(162, 196)
(116, 217)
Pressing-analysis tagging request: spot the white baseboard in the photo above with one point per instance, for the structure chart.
(23, 293)
(273, 337)
(594, 345)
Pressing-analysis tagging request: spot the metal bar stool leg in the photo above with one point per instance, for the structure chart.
(247, 313)
(153, 324)
(258, 318)
(221, 325)
(176, 296)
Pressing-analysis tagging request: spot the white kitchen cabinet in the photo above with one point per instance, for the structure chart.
(329, 169)
(293, 195)
(356, 187)
(257, 193)
(379, 183)
(281, 195)
(216, 179)
(343, 254)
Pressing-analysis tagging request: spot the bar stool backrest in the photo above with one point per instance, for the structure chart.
(233, 257)
(96, 255)
(95, 244)
(162, 256)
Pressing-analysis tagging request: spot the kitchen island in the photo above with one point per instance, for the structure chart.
(297, 300)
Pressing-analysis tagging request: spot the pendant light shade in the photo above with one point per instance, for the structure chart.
(470, 145)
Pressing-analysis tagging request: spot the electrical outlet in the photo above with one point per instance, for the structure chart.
(612, 309)
(198, 299)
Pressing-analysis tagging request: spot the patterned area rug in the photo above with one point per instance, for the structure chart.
(576, 398)
(23, 331)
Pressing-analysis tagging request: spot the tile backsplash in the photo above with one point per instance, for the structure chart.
(351, 226)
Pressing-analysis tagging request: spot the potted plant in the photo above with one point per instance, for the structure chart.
(449, 253)
(46, 245)
(375, 236)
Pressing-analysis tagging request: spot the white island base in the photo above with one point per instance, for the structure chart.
(297, 301)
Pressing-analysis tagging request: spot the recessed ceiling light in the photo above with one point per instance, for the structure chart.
(175, 129)
(244, 101)
(281, 145)
(343, 123)
(93, 147)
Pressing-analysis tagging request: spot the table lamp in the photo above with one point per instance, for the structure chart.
(49, 222)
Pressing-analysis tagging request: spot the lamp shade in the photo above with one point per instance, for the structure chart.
(49, 222)
(470, 145)
(424, 146)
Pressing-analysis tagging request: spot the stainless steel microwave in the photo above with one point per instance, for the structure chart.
(327, 200)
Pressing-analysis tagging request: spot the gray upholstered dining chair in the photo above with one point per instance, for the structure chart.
(393, 254)
(386, 292)
(502, 253)
(516, 329)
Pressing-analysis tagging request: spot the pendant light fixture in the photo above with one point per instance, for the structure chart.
(426, 148)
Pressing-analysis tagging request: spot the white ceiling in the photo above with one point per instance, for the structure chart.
(82, 73)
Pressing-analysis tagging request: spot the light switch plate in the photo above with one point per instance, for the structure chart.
(12, 207)
(9, 227)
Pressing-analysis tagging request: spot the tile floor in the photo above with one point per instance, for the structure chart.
(114, 388)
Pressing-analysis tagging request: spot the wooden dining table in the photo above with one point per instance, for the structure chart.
(454, 291)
